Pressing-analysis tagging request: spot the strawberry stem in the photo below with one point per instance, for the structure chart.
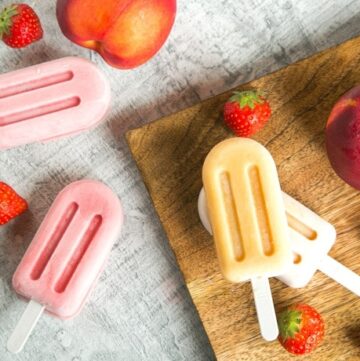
(247, 98)
(289, 323)
(6, 20)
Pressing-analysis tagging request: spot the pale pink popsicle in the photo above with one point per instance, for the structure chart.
(68, 253)
(51, 100)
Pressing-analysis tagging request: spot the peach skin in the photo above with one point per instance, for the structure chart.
(343, 137)
(126, 33)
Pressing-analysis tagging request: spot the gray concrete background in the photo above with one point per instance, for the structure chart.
(141, 310)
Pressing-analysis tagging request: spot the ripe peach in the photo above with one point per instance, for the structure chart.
(343, 137)
(126, 33)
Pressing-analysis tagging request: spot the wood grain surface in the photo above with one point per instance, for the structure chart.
(170, 153)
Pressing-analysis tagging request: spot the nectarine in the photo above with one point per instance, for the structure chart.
(343, 137)
(126, 33)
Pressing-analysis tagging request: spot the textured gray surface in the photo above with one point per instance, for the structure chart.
(140, 309)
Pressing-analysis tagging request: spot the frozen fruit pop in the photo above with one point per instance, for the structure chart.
(67, 255)
(51, 100)
(248, 220)
(311, 239)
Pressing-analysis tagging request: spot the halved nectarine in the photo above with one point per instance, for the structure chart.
(126, 33)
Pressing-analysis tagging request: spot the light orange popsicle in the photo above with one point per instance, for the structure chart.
(246, 210)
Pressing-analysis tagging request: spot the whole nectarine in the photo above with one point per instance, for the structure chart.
(343, 137)
(126, 33)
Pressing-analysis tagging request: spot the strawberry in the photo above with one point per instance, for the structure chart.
(301, 329)
(11, 204)
(246, 112)
(19, 26)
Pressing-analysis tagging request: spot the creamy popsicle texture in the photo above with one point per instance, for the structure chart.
(311, 240)
(69, 251)
(310, 235)
(51, 100)
(246, 210)
(248, 219)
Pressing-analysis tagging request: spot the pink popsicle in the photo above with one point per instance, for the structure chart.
(67, 255)
(51, 100)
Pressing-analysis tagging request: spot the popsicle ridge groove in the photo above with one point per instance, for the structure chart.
(54, 241)
(297, 258)
(262, 216)
(78, 254)
(36, 84)
(301, 228)
(232, 216)
(47, 109)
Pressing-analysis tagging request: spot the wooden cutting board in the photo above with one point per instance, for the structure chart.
(170, 152)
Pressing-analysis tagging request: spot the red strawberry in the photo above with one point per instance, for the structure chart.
(246, 112)
(19, 26)
(301, 329)
(11, 204)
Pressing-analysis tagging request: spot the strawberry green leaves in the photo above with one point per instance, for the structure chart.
(6, 19)
(247, 98)
(289, 323)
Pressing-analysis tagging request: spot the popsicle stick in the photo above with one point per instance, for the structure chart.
(265, 308)
(341, 274)
(25, 326)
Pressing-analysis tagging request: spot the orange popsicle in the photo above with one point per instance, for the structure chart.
(248, 219)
